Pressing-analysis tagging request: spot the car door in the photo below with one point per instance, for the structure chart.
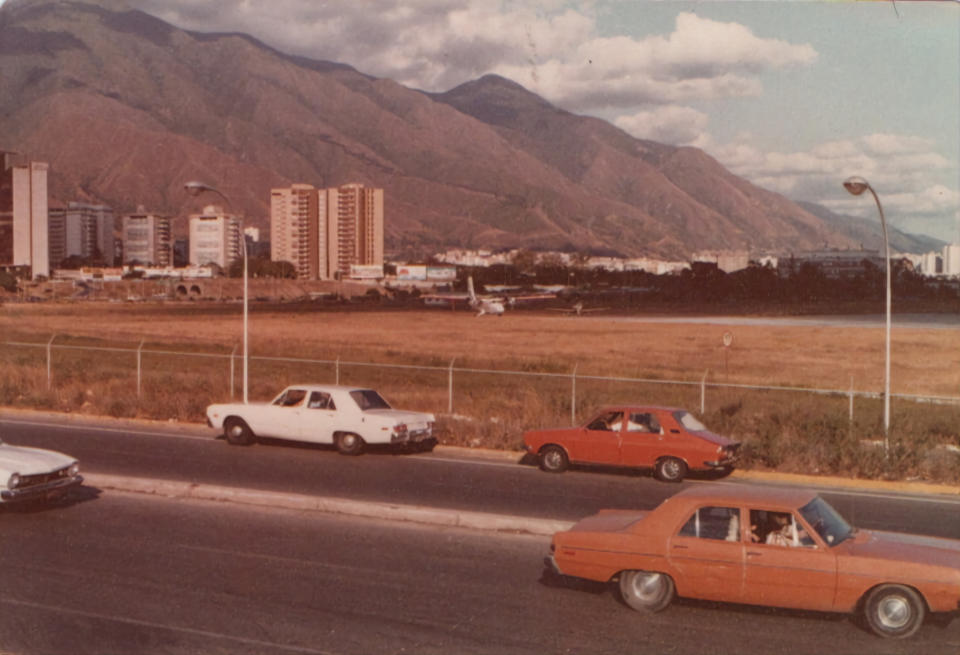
(282, 418)
(642, 439)
(598, 442)
(707, 554)
(318, 418)
(795, 571)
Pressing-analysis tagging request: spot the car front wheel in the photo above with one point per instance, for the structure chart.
(894, 611)
(646, 591)
(349, 443)
(237, 432)
(670, 469)
(553, 459)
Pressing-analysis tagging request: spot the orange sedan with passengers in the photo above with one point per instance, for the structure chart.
(669, 440)
(761, 546)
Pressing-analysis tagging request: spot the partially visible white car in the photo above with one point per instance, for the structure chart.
(35, 474)
(348, 417)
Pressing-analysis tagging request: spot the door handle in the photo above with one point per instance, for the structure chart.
(681, 547)
(753, 553)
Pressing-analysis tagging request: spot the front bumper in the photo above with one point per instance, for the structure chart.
(44, 490)
(412, 436)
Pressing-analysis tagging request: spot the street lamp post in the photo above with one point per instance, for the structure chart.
(195, 189)
(857, 185)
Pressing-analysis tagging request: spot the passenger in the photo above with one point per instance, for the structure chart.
(784, 532)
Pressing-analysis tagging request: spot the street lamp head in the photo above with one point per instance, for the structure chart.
(856, 185)
(196, 188)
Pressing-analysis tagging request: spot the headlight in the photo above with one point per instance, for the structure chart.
(14, 481)
(74, 470)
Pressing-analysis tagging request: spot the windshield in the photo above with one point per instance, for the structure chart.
(689, 421)
(369, 399)
(828, 523)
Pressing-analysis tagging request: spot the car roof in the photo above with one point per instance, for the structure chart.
(325, 387)
(749, 494)
(641, 408)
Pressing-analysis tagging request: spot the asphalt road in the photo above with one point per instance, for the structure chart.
(118, 573)
(495, 485)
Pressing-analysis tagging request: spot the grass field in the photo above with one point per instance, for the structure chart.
(787, 430)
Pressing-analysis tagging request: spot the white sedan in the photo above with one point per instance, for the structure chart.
(35, 474)
(348, 417)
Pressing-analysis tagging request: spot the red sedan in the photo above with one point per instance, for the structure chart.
(668, 439)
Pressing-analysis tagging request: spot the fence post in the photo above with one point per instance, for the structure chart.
(233, 365)
(450, 387)
(703, 393)
(49, 358)
(573, 396)
(139, 360)
(851, 399)
(337, 373)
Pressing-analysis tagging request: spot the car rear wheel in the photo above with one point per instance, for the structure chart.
(553, 459)
(237, 432)
(349, 443)
(894, 611)
(670, 469)
(646, 591)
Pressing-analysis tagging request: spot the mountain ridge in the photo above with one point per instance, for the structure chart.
(126, 107)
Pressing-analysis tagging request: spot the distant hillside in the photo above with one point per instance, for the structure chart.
(126, 108)
(869, 233)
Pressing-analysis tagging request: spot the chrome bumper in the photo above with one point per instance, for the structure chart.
(39, 490)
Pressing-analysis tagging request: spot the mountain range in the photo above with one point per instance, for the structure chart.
(126, 108)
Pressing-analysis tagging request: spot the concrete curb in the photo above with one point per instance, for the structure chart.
(345, 506)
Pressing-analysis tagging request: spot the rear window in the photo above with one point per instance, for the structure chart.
(369, 399)
(689, 421)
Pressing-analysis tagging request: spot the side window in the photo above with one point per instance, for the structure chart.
(777, 529)
(610, 422)
(643, 423)
(291, 398)
(720, 523)
(320, 400)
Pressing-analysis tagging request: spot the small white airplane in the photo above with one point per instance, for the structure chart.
(578, 309)
(492, 306)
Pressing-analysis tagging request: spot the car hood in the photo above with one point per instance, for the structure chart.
(28, 461)
(906, 547)
(401, 416)
(714, 438)
(609, 520)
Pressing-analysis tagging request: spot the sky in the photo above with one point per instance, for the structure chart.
(795, 96)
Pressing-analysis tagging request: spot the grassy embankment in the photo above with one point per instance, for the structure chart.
(787, 430)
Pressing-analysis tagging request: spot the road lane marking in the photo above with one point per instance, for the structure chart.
(161, 626)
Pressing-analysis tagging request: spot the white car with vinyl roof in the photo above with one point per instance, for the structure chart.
(348, 417)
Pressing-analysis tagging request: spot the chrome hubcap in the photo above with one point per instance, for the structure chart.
(552, 459)
(894, 612)
(671, 469)
(647, 586)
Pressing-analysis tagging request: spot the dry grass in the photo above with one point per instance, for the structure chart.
(793, 431)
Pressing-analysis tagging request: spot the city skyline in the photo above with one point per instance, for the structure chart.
(794, 96)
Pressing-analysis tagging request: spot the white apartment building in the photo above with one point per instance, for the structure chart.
(215, 238)
(24, 217)
(951, 259)
(147, 239)
(82, 230)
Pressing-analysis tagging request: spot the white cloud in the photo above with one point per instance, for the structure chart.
(670, 124)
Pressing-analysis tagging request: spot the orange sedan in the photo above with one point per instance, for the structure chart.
(761, 546)
(669, 440)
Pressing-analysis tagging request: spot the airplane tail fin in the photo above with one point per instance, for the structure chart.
(473, 295)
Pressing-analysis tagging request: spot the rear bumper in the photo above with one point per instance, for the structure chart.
(40, 490)
(551, 565)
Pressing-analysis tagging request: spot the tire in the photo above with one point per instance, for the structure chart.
(894, 611)
(646, 591)
(553, 459)
(670, 469)
(349, 443)
(237, 432)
